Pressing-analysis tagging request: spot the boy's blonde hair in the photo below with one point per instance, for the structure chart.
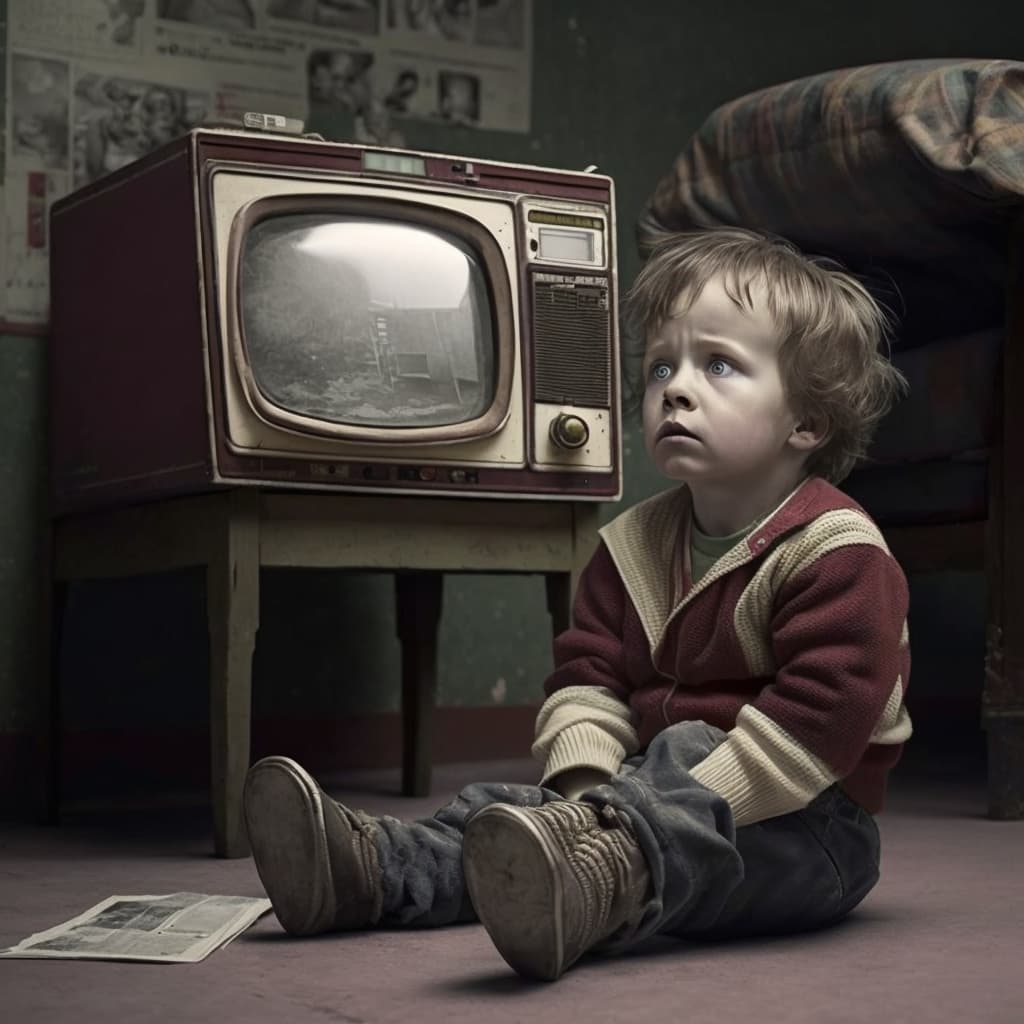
(834, 372)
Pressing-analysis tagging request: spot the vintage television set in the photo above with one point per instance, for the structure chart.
(257, 308)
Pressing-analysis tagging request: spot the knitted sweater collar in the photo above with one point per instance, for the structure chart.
(649, 544)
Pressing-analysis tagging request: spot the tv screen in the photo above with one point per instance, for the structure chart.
(366, 321)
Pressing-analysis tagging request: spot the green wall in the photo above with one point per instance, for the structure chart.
(617, 85)
(22, 380)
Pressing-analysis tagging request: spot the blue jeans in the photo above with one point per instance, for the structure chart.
(793, 872)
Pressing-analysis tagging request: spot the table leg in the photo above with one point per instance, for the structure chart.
(559, 591)
(418, 598)
(233, 603)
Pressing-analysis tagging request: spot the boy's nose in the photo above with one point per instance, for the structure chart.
(677, 395)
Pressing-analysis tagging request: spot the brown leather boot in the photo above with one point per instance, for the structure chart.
(315, 857)
(548, 883)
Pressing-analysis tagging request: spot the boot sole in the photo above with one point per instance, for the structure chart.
(510, 867)
(285, 820)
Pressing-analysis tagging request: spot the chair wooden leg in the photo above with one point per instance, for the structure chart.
(1003, 700)
(233, 612)
(1002, 715)
(418, 597)
(1005, 765)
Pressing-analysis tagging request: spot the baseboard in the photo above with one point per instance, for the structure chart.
(110, 763)
(143, 763)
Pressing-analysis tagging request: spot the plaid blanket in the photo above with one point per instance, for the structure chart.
(903, 163)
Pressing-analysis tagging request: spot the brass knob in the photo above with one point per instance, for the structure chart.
(569, 431)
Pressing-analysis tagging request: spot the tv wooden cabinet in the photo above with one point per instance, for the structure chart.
(235, 533)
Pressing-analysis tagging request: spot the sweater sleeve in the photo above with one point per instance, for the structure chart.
(586, 721)
(839, 644)
(583, 727)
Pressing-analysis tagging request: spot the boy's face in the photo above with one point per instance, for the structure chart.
(714, 408)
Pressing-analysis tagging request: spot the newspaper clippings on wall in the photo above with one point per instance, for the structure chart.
(178, 928)
(95, 84)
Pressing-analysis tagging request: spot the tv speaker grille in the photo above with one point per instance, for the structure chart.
(572, 342)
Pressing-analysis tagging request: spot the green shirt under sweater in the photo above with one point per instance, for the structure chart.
(706, 550)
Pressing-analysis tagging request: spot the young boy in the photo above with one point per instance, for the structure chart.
(729, 700)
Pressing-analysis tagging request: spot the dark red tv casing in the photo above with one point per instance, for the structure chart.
(137, 363)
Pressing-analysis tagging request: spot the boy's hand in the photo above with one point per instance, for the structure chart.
(575, 781)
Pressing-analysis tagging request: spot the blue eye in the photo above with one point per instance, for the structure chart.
(661, 371)
(719, 368)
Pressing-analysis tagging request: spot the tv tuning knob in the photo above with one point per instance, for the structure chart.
(569, 431)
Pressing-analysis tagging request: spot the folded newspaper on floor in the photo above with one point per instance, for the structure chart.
(180, 928)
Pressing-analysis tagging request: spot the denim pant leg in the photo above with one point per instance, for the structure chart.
(421, 861)
(802, 870)
(796, 871)
(684, 829)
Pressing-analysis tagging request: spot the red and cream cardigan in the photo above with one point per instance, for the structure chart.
(794, 643)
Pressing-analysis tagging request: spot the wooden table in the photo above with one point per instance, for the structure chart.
(235, 533)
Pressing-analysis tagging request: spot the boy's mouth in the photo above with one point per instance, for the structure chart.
(672, 429)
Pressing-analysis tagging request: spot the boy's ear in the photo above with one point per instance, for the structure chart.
(808, 435)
